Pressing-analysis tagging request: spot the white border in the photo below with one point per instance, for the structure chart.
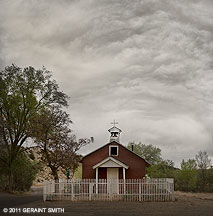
(112, 159)
(110, 146)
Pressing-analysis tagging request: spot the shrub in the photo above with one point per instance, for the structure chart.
(23, 173)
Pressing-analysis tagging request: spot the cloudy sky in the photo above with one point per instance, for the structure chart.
(147, 64)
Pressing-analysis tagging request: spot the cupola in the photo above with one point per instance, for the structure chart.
(115, 132)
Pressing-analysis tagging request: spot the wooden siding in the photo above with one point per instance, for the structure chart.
(137, 165)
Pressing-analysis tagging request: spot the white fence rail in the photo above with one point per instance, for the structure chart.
(126, 190)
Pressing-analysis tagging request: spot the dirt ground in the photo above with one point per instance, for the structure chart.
(185, 204)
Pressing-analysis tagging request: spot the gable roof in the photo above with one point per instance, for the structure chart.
(114, 128)
(117, 162)
(147, 162)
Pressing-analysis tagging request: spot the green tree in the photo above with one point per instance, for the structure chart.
(190, 164)
(23, 93)
(164, 169)
(186, 178)
(149, 152)
(209, 188)
(24, 173)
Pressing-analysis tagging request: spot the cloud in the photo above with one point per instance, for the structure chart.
(147, 64)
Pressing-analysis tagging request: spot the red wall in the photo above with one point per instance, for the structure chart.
(136, 164)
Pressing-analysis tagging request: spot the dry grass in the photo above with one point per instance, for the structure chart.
(203, 196)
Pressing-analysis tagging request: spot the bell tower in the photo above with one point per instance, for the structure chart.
(115, 132)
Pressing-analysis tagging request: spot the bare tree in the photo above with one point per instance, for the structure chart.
(203, 163)
(203, 160)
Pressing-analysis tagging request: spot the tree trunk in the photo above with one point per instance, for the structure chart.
(12, 154)
(10, 175)
(10, 180)
(56, 178)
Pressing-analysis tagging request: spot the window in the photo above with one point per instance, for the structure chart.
(114, 134)
(113, 150)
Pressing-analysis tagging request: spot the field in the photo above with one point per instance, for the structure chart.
(189, 204)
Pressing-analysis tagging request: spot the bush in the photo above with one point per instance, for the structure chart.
(207, 185)
(186, 180)
(23, 172)
(164, 169)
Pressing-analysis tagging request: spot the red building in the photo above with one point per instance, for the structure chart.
(113, 161)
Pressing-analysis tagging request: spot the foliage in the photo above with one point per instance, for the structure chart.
(209, 180)
(194, 174)
(203, 163)
(23, 93)
(164, 169)
(58, 144)
(78, 172)
(149, 152)
(186, 178)
(190, 164)
(31, 156)
(24, 173)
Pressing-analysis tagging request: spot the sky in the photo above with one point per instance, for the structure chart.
(147, 64)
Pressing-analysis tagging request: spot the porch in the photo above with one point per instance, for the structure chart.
(112, 170)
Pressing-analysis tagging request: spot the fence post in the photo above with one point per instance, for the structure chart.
(44, 190)
(72, 186)
(124, 184)
(110, 192)
(90, 190)
(139, 191)
(173, 188)
(96, 180)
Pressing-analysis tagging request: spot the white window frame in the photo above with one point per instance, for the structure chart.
(110, 150)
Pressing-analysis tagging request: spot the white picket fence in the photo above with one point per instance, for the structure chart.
(125, 190)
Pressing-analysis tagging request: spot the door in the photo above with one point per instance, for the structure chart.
(112, 180)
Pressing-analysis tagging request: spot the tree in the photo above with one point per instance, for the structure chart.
(58, 145)
(23, 165)
(186, 178)
(190, 164)
(203, 163)
(164, 169)
(23, 93)
(148, 152)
